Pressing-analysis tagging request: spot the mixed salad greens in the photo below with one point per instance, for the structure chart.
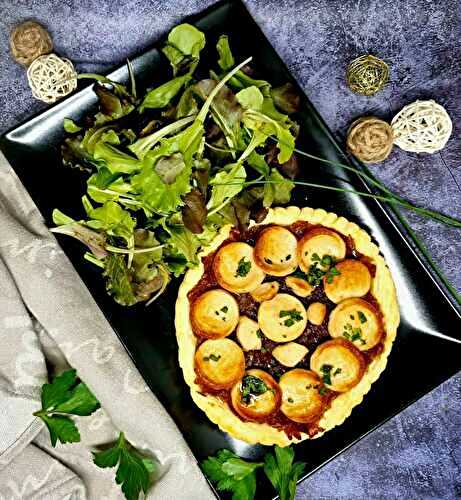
(168, 169)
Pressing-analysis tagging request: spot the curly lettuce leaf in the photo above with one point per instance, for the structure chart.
(250, 98)
(278, 189)
(118, 282)
(112, 219)
(115, 160)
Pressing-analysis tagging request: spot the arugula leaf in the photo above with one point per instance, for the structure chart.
(116, 160)
(258, 162)
(225, 185)
(162, 95)
(70, 126)
(258, 121)
(187, 104)
(118, 282)
(133, 472)
(145, 264)
(225, 110)
(183, 242)
(95, 241)
(282, 472)
(240, 80)
(65, 394)
(278, 190)
(230, 473)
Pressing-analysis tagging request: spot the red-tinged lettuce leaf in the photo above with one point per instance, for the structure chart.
(194, 211)
(286, 98)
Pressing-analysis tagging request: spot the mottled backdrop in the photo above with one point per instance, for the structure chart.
(418, 453)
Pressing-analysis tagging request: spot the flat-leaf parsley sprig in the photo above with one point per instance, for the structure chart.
(66, 395)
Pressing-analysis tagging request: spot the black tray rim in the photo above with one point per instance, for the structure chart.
(393, 215)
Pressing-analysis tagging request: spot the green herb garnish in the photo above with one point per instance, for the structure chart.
(326, 373)
(293, 316)
(133, 471)
(252, 386)
(353, 334)
(362, 317)
(65, 395)
(224, 309)
(290, 400)
(243, 268)
(268, 261)
(212, 357)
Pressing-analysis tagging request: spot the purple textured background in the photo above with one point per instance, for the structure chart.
(418, 453)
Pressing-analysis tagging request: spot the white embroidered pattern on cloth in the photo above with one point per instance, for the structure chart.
(422, 127)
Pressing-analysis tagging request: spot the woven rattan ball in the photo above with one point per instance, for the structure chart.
(422, 127)
(367, 75)
(51, 77)
(28, 41)
(370, 139)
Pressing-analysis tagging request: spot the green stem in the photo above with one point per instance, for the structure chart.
(449, 221)
(113, 249)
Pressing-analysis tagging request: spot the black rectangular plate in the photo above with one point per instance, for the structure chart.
(427, 350)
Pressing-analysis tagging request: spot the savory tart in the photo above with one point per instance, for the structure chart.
(283, 328)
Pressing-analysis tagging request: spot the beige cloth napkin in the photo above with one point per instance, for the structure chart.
(48, 322)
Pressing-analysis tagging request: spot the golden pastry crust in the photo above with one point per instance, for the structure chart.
(260, 406)
(353, 280)
(214, 314)
(339, 364)
(276, 251)
(282, 318)
(229, 272)
(301, 399)
(358, 321)
(382, 289)
(219, 363)
(320, 241)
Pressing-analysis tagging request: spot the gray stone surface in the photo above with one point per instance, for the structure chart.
(418, 453)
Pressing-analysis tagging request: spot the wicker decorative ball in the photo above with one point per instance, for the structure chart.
(28, 41)
(422, 127)
(370, 139)
(51, 77)
(367, 75)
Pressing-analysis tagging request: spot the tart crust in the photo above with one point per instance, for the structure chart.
(382, 288)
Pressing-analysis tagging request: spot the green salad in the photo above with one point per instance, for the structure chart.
(166, 170)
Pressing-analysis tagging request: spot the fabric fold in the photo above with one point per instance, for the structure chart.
(73, 330)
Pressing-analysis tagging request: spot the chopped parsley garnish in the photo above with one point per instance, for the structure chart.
(315, 274)
(290, 400)
(353, 334)
(362, 317)
(337, 371)
(292, 316)
(267, 261)
(322, 390)
(243, 268)
(224, 309)
(212, 357)
(351, 316)
(259, 334)
(252, 386)
(308, 387)
(326, 373)
(288, 257)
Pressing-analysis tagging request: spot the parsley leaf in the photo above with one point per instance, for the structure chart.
(282, 472)
(293, 316)
(252, 386)
(230, 473)
(133, 472)
(362, 317)
(66, 394)
(326, 371)
(243, 268)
